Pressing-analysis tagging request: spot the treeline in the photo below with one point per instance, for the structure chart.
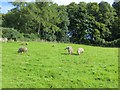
(86, 23)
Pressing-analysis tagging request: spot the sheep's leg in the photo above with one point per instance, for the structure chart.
(78, 53)
(68, 52)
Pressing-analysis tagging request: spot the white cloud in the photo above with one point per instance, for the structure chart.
(66, 2)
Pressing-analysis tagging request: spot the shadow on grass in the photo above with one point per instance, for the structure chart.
(68, 54)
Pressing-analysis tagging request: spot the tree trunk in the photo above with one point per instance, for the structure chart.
(39, 29)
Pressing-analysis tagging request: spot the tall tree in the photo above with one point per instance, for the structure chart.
(63, 15)
(116, 24)
(93, 9)
(106, 14)
(17, 17)
(47, 19)
(76, 14)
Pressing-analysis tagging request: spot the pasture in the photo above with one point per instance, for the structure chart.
(44, 66)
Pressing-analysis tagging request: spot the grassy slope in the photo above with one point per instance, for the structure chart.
(44, 66)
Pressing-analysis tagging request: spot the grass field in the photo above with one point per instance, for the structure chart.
(44, 66)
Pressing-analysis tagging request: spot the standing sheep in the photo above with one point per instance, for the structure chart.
(22, 50)
(70, 49)
(80, 50)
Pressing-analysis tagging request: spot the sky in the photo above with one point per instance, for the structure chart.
(5, 6)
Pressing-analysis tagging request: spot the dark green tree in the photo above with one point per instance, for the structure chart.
(62, 35)
(116, 24)
(106, 14)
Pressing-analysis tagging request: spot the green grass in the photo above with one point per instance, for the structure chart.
(44, 66)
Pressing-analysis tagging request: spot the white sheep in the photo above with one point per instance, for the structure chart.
(70, 49)
(3, 39)
(80, 50)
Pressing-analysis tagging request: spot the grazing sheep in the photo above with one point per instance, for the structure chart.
(22, 50)
(80, 50)
(70, 49)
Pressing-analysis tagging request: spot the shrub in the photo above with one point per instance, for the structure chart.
(114, 43)
(11, 33)
(50, 37)
(30, 37)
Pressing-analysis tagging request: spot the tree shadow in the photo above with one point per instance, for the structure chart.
(68, 54)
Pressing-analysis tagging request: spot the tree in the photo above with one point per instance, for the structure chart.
(40, 17)
(76, 14)
(47, 19)
(17, 17)
(93, 9)
(63, 34)
(116, 24)
(106, 14)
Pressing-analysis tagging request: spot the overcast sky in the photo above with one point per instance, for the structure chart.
(7, 6)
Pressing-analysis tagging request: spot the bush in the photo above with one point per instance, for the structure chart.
(99, 42)
(31, 37)
(87, 41)
(114, 43)
(49, 37)
(11, 33)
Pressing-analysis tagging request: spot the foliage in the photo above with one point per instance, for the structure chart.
(62, 34)
(0, 19)
(116, 25)
(11, 33)
(88, 23)
(30, 37)
(113, 43)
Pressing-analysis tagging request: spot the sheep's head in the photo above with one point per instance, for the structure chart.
(68, 47)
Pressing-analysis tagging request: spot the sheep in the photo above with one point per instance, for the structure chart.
(24, 43)
(70, 49)
(80, 50)
(0, 39)
(22, 50)
(3, 39)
